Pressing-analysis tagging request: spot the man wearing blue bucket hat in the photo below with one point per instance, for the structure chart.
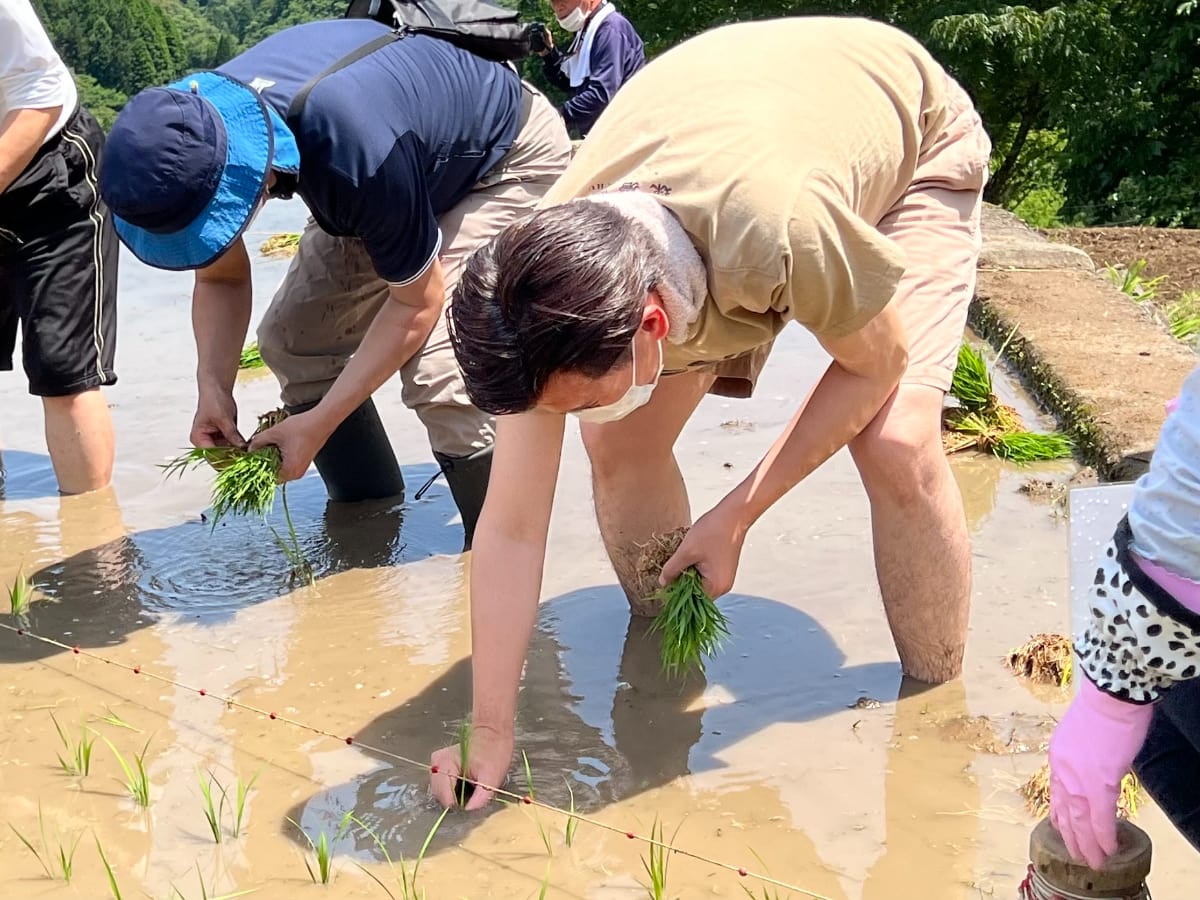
(409, 153)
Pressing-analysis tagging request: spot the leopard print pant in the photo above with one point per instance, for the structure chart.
(1139, 640)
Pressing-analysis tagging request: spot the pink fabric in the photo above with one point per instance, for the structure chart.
(1186, 591)
(1092, 749)
(1172, 405)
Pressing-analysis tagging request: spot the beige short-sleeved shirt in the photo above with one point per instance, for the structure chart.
(779, 145)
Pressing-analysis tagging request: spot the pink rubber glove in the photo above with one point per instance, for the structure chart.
(1092, 749)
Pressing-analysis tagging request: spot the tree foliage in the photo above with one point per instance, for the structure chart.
(1093, 105)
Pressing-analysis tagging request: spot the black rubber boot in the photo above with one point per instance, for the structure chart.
(468, 480)
(357, 462)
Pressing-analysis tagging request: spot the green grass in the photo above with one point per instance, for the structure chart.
(137, 781)
(656, 866)
(112, 878)
(20, 595)
(1129, 281)
(55, 865)
(213, 811)
(1183, 316)
(251, 358)
(691, 624)
(572, 819)
(406, 880)
(78, 761)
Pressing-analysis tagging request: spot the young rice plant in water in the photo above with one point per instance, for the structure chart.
(78, 761)
(64, 864)
(20, 595)
(137, 780)
(406, 879)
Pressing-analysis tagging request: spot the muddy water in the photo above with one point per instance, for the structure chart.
(779, 753)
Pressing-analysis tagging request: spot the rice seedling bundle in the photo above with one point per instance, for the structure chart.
(251, 358)
(983, 422)
(1036, 792)
(245, 485)
(690, 623)
(284, 244)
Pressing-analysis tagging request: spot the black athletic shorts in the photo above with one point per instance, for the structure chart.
(58, 266)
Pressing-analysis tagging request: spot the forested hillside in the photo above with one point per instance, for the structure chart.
(1093, 105)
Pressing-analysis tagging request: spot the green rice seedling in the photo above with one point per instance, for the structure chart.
(64, 863)
(245, 485)
(537, 820)
(78, 761)
(111, 718)
(213, 812)
(463, 789)
(20, 595)
(283, 244)
(1024, 447)
(656, 866)
(972, 384)
(405, 879)
(765, 892)
(137, 781)
(572, 819)
(112, 878)
(545, 890)
(1129, 281)
(241, 792)
(204, 894)
(1183, 316)
(251, 358)
(691, 624)
(322, 852)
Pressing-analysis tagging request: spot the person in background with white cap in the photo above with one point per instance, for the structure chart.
(58, 251)
(409, 153)
(605, 53)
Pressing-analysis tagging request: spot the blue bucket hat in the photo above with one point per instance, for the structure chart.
(185, 167)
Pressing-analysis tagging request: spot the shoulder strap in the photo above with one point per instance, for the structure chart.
(297, 105)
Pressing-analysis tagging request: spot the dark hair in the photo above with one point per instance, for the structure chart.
(562, 291)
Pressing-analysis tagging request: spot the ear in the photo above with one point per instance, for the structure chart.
(654, 317)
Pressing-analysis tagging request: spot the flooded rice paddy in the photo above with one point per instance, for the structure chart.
(802, 752)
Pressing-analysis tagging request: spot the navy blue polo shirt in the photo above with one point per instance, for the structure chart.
(391, 141)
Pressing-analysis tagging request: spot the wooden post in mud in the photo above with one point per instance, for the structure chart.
(1053, 874)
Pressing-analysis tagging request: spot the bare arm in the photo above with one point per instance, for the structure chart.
(508, 556)
(21, 136)
(866, 369)
(399, 329)
(221, 304)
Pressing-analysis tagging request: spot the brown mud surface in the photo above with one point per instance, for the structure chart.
(771, 754)
(1173, 252)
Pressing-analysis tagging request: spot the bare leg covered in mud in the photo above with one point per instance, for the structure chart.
(638, 488)
(922, 548)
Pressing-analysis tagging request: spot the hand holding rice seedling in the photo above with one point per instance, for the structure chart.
(691, 624)
(245, 485)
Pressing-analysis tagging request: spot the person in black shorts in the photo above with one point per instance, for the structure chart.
(58, 251)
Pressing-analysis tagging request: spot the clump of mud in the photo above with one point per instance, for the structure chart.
(1055, 493)
(1036, 792)
(650, 562)
(1043, 659)
(1017, 734)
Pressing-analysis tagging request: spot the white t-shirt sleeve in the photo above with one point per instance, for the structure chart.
(32, 74)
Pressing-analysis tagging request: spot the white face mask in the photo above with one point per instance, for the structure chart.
(636, 397)
(573, 21)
